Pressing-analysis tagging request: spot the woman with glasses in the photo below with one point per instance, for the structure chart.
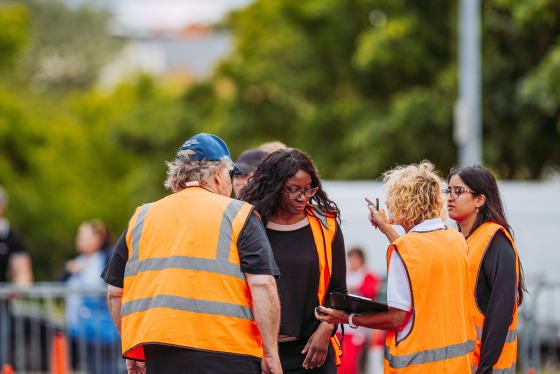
(496, 273)
(302, 225)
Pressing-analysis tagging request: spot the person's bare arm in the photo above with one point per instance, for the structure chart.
(20, 267)
(266, 310)
(394, 319)
(114, 300)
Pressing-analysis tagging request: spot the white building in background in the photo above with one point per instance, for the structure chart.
(166, 37)
(189, 53)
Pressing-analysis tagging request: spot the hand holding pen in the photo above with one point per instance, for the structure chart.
(371, 215)
(371, 212)
(378, 218)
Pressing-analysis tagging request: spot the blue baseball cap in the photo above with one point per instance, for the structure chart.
(209, 147)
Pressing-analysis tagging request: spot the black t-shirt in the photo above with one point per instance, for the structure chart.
(495, 296)
(255, 255)
(10, 243)
(297, 258)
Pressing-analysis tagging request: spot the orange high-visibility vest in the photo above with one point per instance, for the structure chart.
(323, 227)
(183, 283)
(478, 243)
(442, 332)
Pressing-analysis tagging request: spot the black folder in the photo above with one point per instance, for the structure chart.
(356, 304)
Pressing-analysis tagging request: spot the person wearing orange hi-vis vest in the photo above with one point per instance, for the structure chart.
(192, 284)
(429, 323)
(303, 229)
(496, 273)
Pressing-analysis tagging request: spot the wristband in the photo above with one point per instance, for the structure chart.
(352, 325)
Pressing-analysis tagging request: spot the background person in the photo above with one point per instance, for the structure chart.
(15, 266)
(362, 282)
(247, 162)
(429, 322)
(309, 249)
(496, 274)
(93, 334)
(272, 146)
(15, 262)
(194, 274)
(359, 279)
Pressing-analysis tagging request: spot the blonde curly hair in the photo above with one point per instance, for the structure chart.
(413, 194)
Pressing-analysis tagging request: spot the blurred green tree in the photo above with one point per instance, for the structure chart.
(14, 19)
(68, 46)
(364, 84)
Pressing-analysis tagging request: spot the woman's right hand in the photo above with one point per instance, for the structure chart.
(378, 218)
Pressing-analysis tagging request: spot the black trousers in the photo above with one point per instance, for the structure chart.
(292, 359)
(163, 359)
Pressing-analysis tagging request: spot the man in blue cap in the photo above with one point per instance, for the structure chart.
(192, 284)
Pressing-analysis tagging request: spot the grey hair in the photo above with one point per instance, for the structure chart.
(183, 170)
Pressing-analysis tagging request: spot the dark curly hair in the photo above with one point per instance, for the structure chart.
(264, 187)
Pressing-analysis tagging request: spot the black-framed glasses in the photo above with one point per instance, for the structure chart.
(296, 194)
(456, 191)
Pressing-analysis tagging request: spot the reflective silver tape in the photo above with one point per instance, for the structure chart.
(136, 236)
(187, 263)
(478, 332)
(510, 370)
(510, 337)
(189, 305)
(427, 356)
(226, 229)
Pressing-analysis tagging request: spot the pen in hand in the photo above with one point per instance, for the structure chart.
(376, 208)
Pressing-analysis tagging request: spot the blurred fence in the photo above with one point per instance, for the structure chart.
(539, 328)
(51, 328)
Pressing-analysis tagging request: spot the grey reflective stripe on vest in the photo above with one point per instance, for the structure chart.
(220, 266)
(472, 344)
(427, 356)
(186, 304)
(186, 263)
(510, 337)
(319, 213)
(226, 230)
(510, 370)
(136, 235)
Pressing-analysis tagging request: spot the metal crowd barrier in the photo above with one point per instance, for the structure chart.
(539, 328)
(51, 328)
